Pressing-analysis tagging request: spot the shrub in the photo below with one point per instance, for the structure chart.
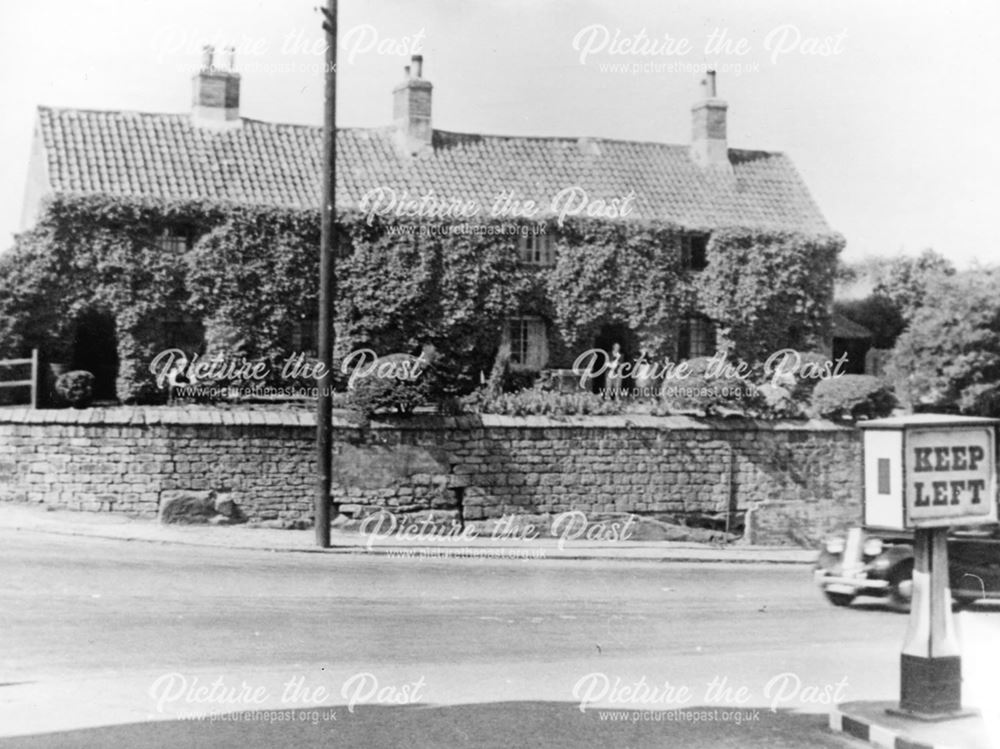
(779, 403)
(376, 394)
(76, 388)
(709, 393)
(853, 397)
(541, 403)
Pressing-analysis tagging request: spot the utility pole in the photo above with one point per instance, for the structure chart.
(327, 283)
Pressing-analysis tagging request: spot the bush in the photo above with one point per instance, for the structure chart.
(377, 394)
(541, 403)
(779, 403)
(711, 394)
(853, 397)
(76, 388)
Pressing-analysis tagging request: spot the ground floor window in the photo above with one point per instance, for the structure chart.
(529, 348)
(696, 338)
(305, 337)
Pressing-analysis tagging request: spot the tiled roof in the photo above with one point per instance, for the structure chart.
(167, 156)
(842, 327)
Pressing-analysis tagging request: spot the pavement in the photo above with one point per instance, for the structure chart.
(40, 519)
(870, 722)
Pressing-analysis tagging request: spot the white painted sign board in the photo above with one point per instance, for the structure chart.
(929, 471)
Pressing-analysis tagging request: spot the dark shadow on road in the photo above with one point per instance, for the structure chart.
(498, 724)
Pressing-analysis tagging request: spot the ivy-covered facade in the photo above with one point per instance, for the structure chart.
(201, 231)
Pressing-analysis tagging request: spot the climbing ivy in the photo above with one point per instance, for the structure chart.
(252, 273)
(769, 290)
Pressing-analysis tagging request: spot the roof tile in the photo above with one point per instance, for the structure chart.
(169, 156)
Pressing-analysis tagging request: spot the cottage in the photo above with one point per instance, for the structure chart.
(213, 153)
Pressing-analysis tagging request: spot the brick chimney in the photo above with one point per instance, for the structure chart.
(709, 147)
(411, 108)
(216, 91)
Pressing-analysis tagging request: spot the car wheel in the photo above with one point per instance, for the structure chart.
(901, 584)
(839, 599)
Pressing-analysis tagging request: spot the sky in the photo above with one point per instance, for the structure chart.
(887, 107)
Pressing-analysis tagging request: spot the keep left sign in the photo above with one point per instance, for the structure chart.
(950, 476)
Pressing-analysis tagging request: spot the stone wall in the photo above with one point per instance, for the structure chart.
(796, 479)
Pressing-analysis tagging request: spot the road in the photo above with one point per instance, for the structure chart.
(350, 650)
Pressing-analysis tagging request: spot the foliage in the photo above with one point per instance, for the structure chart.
(251, 277)
(626, 273)
(406, 289)
(779, 403)
(898, 286)
(96, 252)
(853, 397)
(949, 357)
(76, 388)
(905, 280)
(768, 290)
(541, 403)
(879, 314)
(38, 288)
(373, 395)
(252, 274)
(710, 392)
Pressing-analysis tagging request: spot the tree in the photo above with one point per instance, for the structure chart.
(878, 313)
(899, 286)
(905, 280)
(949, 356)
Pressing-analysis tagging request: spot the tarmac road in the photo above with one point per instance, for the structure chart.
(137, 637)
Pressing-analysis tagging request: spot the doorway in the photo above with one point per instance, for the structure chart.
(95, 349)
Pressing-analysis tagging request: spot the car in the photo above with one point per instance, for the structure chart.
(880, 563)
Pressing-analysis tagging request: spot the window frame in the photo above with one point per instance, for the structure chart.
(530, 253)
(528, 339)
(694, 252)
(687, 338)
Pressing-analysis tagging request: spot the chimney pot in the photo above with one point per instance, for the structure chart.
(418, 66)
(709, 143)
(207, 52)
(708, 84)
(230, 58)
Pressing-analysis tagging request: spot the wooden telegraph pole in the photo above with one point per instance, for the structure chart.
(327, 283)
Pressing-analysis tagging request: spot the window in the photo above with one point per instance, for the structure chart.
(537, 249)
(176, 240)
(696, 338)
(529, 348)
(305, 337)
(694, 251)
(185, 334)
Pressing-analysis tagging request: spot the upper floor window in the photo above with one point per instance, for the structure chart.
(537, 249)
(176, 239)
(694, 251)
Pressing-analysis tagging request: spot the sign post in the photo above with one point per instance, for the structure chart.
(927, 474)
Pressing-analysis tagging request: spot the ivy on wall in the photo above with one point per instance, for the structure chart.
(628, 273)
(252, 274)
(769, 290)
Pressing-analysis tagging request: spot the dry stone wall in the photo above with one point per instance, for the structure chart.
(795, 481)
